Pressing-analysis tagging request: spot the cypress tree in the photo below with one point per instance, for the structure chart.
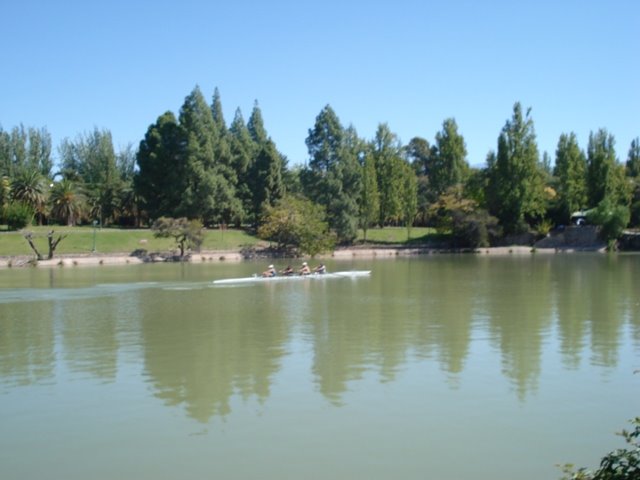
(605, 175)
(515, 190)
(571, 171)
(448, 162)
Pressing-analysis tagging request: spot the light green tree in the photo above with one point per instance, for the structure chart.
(370, 199)
(297, 224)
(418, 153)
(387, 150)
(448, 165)
(515, 188)
(409, 199)
(571, 172)
(605, 175)
(633, 158)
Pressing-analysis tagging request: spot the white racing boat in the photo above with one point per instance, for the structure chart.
(283, 278)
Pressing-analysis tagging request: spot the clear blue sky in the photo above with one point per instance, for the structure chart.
(71, 66)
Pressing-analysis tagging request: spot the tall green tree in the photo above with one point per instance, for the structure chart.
(25, 149)
(91, 161)
(90, 158)
(265, 179)
(6, 168)
(409, 199)
(370, 199)
(418, 153)
(209, 195)
(161, 178)
(389, 169)
(605, 175)
(571, 172)
(449, 160)
(18, 142)
(331, 178)
(633, 158)
(515, 189)
(255, 125)
(243, 151)
(39, 151)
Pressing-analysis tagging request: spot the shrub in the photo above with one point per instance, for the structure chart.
(18, 215)
(544, 226)
(477, 229)
(611, 218)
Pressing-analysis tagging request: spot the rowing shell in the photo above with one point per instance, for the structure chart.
(281, 278)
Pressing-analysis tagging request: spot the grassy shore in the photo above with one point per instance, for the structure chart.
(83, 240)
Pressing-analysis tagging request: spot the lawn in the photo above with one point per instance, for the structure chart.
(398, 236)
(80, 240)
(83, 240)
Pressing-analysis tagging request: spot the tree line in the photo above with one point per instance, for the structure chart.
(196, 166)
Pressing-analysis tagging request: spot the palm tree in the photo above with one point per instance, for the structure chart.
(29, 187)
(67, 204)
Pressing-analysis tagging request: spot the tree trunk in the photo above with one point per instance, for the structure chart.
(53, 243)
(29, 237)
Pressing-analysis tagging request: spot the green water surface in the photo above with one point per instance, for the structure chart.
(443, 367)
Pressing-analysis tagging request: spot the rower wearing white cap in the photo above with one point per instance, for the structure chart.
(305, 270)
(269, 272)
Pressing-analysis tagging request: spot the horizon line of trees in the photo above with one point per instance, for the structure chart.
(195, 166)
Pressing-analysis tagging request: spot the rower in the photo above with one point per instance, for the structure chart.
(305, 269)
(269, 272)
(287, 271)
(320, 269)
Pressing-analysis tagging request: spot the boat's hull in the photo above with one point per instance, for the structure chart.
(283, 278)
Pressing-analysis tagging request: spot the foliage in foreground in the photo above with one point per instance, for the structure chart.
(621, 464)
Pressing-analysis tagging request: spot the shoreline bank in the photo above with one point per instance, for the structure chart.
(98, 259)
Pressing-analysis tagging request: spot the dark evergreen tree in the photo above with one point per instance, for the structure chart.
(255, 125)
(162, 171)
(209, 195)
(332, 177)
(242, 150)
(418, 153)
(265, 179)
(225, 165)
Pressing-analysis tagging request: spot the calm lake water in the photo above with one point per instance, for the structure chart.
(443, 367)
